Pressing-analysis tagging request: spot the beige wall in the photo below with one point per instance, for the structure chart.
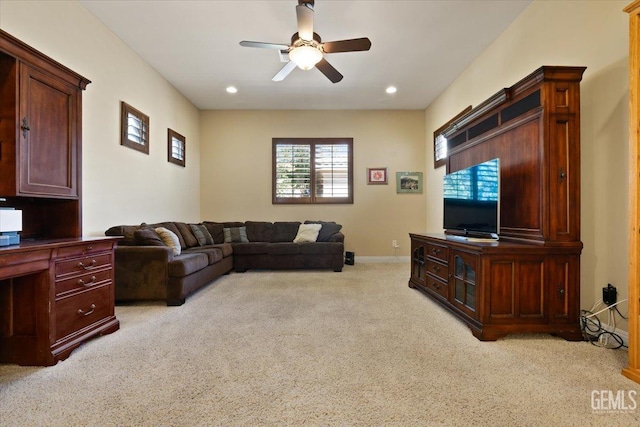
(236, 171)
(120, 185)
(588, 33)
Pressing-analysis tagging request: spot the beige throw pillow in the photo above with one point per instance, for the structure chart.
(170, 239)
(307, 233)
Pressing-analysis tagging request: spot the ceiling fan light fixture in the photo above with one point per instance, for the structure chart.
(305, 57)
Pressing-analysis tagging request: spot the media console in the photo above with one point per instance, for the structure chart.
(500, 287)
(529, 280)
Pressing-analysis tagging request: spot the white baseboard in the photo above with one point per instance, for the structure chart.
(382, 259)
(622, 334)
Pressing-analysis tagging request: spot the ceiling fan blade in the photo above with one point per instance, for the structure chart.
(351, 45)
(278, 46)
(328, 70)
(284, 71)
(305, 22)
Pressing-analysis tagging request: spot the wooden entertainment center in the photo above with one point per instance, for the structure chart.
(56, 287)
(529, 280)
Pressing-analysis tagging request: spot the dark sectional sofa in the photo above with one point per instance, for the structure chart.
(148, 269)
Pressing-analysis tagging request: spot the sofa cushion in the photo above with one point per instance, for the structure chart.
(123, 230)
(216, 229)
(187, 235)
(259, 231)
(283, 248)
(147, 236)
(213, 254)
(170, 239)
(251, 248)
(285, 231)
(328, 229)
(235, 234)
(202, 234)
(226, 248)
(324, 248)
(307, 233)
(187, 263)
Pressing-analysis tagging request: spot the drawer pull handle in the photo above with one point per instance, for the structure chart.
(82, 282)
(87, 267)
(436, 251)
(89, 248)
(436, 268)
(81, 312)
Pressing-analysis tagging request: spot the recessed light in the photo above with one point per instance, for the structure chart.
(391, 89)
(232, 89)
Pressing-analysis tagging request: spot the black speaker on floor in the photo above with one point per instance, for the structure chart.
(350, 258)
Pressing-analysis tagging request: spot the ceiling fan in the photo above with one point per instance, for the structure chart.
(307, 50)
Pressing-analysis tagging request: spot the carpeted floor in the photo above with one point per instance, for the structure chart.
(314, 348)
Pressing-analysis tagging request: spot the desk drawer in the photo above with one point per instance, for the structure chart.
(82, 309)
(438, 286)
(83, 265)
(438, 252)
(84, 248)
(438, 269)
(84, 281)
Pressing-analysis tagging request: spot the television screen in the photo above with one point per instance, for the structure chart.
(472, 200)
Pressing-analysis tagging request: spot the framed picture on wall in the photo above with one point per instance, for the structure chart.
(409, 182)
(377, 176)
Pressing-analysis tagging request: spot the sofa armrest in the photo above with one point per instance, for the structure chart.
(141, 272)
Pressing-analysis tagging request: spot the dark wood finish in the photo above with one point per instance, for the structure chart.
(437, 162)
(503, 287)
(54, 295)
(40, 140)
(536, 135)
(529, 281)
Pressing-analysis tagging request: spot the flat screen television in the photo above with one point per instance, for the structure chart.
(472, 201)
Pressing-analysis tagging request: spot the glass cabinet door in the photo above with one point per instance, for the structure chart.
(464, 282)
(418, 261)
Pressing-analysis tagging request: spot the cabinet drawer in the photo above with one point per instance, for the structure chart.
(438, 286)
(438, 269)
(85, 248)
(85, 281)
(82, 309)
(438, 252)
(83, 265)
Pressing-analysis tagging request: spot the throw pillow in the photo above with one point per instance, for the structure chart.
(328, 229)
(187, 235)
(307, 233)
(235, 235)
(202, 234)
(170, 239)
(147, 236)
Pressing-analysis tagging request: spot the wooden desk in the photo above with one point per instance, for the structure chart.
(54, 295)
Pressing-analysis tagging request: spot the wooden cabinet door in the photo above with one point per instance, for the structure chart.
(418, 261)
(463, 287)
(48, 135)
(563, 296)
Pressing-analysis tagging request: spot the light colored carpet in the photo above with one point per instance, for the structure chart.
(313, 348)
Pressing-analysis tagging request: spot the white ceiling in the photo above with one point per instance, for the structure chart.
(419, 46)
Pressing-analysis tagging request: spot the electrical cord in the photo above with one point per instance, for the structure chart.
(593, 331)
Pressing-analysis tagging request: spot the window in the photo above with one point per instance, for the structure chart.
(440, 141)
(134, 128)
(309, 170)
(176, 148)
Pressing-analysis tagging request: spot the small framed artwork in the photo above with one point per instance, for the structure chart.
(376, 176)
(176, 148)
(409, 182)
